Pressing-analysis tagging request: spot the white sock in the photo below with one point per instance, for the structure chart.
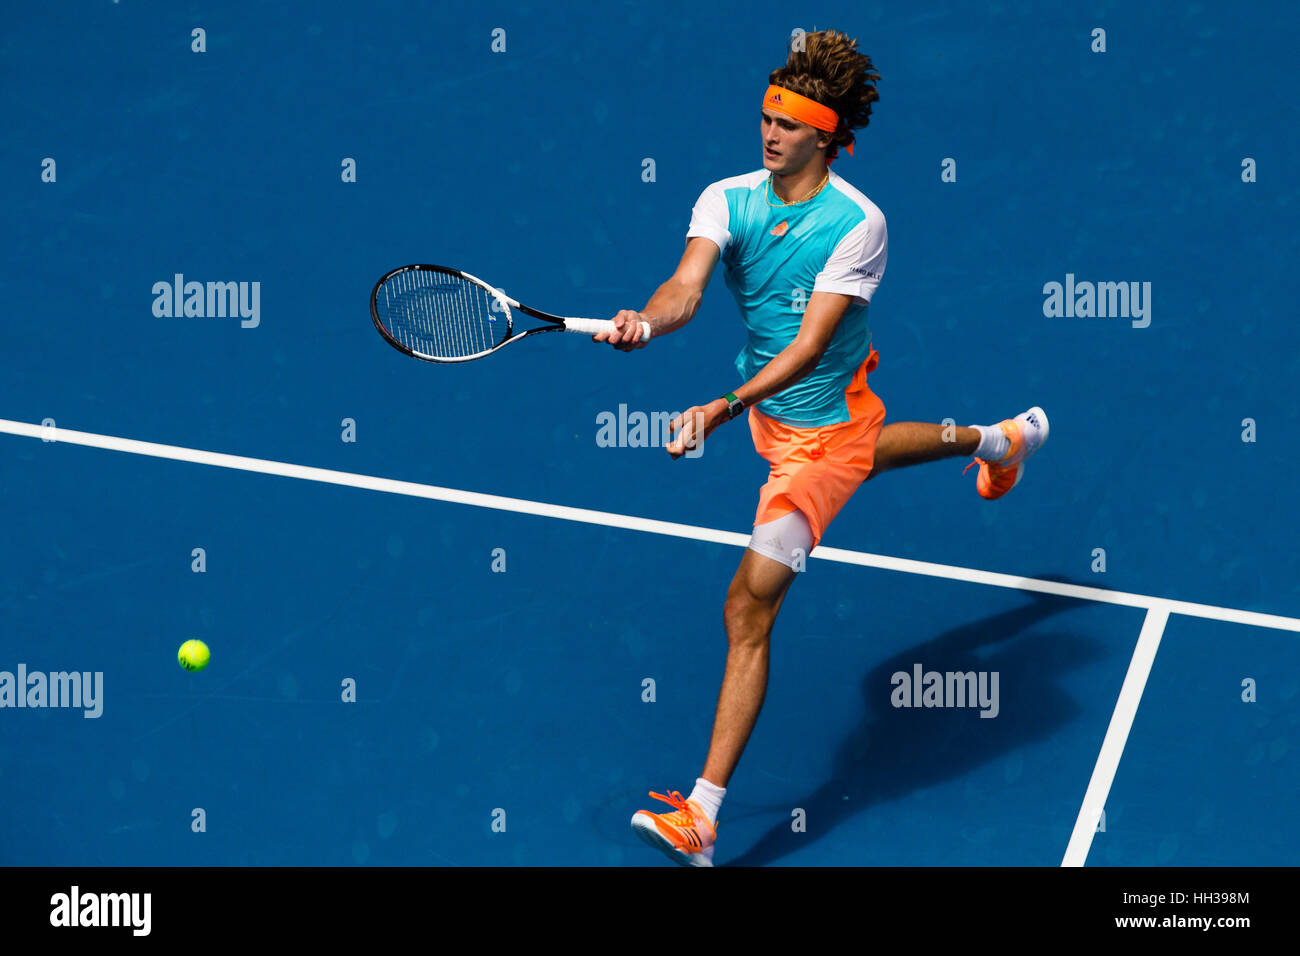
(709, 797)
(994, 444)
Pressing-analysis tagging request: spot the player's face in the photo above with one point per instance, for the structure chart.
(788, 145)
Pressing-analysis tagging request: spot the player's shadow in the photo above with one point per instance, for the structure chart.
(896, 750)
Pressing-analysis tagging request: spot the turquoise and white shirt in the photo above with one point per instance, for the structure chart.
(775, 257)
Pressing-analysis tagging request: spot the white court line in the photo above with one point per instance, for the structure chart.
(1112, 747)
(1158, 609)
(632, 523)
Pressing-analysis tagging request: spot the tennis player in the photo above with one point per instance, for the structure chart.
(803, 252)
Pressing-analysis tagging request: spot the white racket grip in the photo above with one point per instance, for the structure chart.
(592, 326)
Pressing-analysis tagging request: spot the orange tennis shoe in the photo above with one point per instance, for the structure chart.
(1026, 432)
(684, 833)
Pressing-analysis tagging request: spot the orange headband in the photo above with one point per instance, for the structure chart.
(803, 109)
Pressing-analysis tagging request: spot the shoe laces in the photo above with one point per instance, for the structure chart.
(685, 813)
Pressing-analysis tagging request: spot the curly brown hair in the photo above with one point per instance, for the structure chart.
(830, 70)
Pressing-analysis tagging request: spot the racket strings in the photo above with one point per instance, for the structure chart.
(440, 315)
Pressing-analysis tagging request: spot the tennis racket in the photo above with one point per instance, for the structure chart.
(440, 314)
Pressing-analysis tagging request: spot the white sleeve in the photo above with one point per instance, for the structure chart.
(858, 263)
(710, 217)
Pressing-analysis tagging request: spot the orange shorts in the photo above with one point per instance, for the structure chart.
(816, 470)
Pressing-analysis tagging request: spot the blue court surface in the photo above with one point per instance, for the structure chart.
(1137, 597)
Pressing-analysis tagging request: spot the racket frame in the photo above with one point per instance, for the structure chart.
(557, 322)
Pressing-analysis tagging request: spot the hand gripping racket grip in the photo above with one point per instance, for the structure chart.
(592, 326)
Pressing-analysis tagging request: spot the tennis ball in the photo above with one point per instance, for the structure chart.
(193, 655)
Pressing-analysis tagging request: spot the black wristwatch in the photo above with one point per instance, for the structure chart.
(734, 405)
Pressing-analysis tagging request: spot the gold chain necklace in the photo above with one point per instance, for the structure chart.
(770, 192)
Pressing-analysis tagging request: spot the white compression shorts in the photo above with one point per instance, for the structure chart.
(787, 539)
